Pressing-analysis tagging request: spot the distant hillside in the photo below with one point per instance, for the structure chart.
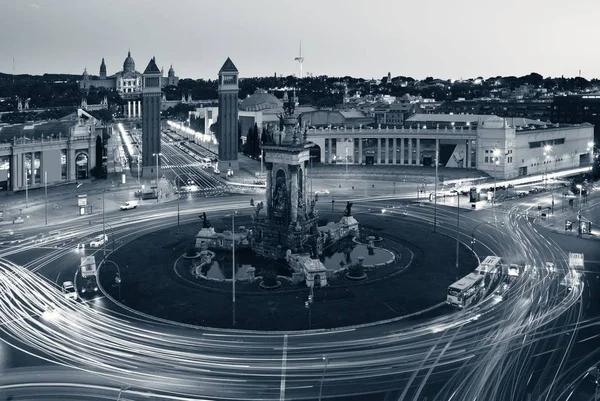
(29, 79)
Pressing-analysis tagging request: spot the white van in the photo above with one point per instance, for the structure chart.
(129, 205)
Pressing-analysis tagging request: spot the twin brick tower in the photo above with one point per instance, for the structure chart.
(227, 131)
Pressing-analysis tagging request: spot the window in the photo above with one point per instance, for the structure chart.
(486, 159)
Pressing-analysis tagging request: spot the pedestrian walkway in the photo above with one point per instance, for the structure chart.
(559, 221)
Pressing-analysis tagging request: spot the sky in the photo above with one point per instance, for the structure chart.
(448, 39)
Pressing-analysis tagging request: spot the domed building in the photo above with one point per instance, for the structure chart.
(261, 100)
(127, 82)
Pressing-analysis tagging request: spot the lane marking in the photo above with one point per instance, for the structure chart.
(283, 366)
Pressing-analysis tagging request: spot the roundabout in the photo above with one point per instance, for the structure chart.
(159, 281)
(163, 353)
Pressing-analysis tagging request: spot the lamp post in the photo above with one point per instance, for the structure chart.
(138, 167)
(346, 144)
(157, 155)
(457, 230)
(475, 229)
(580, 187)
(103, 227)
(326, 360)
(26, 187)
(437, 152)
(46, 194)
(591, 150)
(496, 163)
(233, 262)
(547, 150)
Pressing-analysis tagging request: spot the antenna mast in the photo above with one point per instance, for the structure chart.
(300, 59)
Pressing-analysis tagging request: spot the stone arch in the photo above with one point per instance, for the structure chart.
(82, 166)
(317, 280)
(315, 154)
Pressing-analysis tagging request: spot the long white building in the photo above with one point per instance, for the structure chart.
(502, 147)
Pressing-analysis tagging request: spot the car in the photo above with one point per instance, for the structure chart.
(500, 293)
(129, 205)
(68, 289)
(322, 192)
(98, 241)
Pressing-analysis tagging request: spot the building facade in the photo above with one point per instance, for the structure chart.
(501, 147)
(127, 82)
(227, 133)
(62, 150)
(151, 129)
(578, 109)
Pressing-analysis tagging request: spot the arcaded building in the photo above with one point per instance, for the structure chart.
(501, 147)
(64, 149)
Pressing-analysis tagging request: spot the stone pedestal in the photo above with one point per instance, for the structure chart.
(206, 238)
(349, 225)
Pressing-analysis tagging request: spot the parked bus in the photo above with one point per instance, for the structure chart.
(466, 290)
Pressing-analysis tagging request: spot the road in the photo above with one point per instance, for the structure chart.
(528, 343)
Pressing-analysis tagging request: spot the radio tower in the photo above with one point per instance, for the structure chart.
(300, 59)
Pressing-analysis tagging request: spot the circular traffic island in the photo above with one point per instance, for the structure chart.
(395, 273)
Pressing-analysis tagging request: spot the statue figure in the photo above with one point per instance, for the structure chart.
(280, 198)
(289, 107)
(259, 206)
(205, 222)
(280, 116)
(348, 211)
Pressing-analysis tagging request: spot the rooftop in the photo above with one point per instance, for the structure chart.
(152, 68)
(34, 130)
(228, 66)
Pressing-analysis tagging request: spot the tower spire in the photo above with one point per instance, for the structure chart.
(300, 59)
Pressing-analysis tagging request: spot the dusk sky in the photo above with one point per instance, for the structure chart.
(440, 38)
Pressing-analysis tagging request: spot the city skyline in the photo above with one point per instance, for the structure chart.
(262, 38)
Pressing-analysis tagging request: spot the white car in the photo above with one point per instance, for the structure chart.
(322, 192)
(129, 205)
(98, 241)
(68, 289)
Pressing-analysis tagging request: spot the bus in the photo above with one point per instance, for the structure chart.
(466, 290)
(492, 269)
(88, 273)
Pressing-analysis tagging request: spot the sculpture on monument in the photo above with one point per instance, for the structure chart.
(205, 222)
(348, 211)
(279, 203)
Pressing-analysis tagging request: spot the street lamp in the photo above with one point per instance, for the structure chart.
(233, 261)
(457, 229)
(46, 193)
(157, 155)
(547, 150)
(496, 163)
(591, 150)
(138, 167)
(580, 187)
(437, 152)
(326, 360)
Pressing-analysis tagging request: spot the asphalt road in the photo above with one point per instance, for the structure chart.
(530, 343)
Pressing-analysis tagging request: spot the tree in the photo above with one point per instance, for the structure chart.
(99, 156)
(256, 141)
(269, 278)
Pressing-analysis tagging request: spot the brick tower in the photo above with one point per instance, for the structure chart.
(228, 135)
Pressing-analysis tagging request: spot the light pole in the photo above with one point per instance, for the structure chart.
(346, 144)
(580, 187)
(157, 155)
(547, 150)
(326, 360)
(233, 262)
(457, 230)
(103, 227)
(591, 149)
(26, 187)
(138, 167)
(46, 193)
(262, 162)
(437, 151)
(496, 163)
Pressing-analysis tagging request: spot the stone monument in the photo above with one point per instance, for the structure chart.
(291, 221)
